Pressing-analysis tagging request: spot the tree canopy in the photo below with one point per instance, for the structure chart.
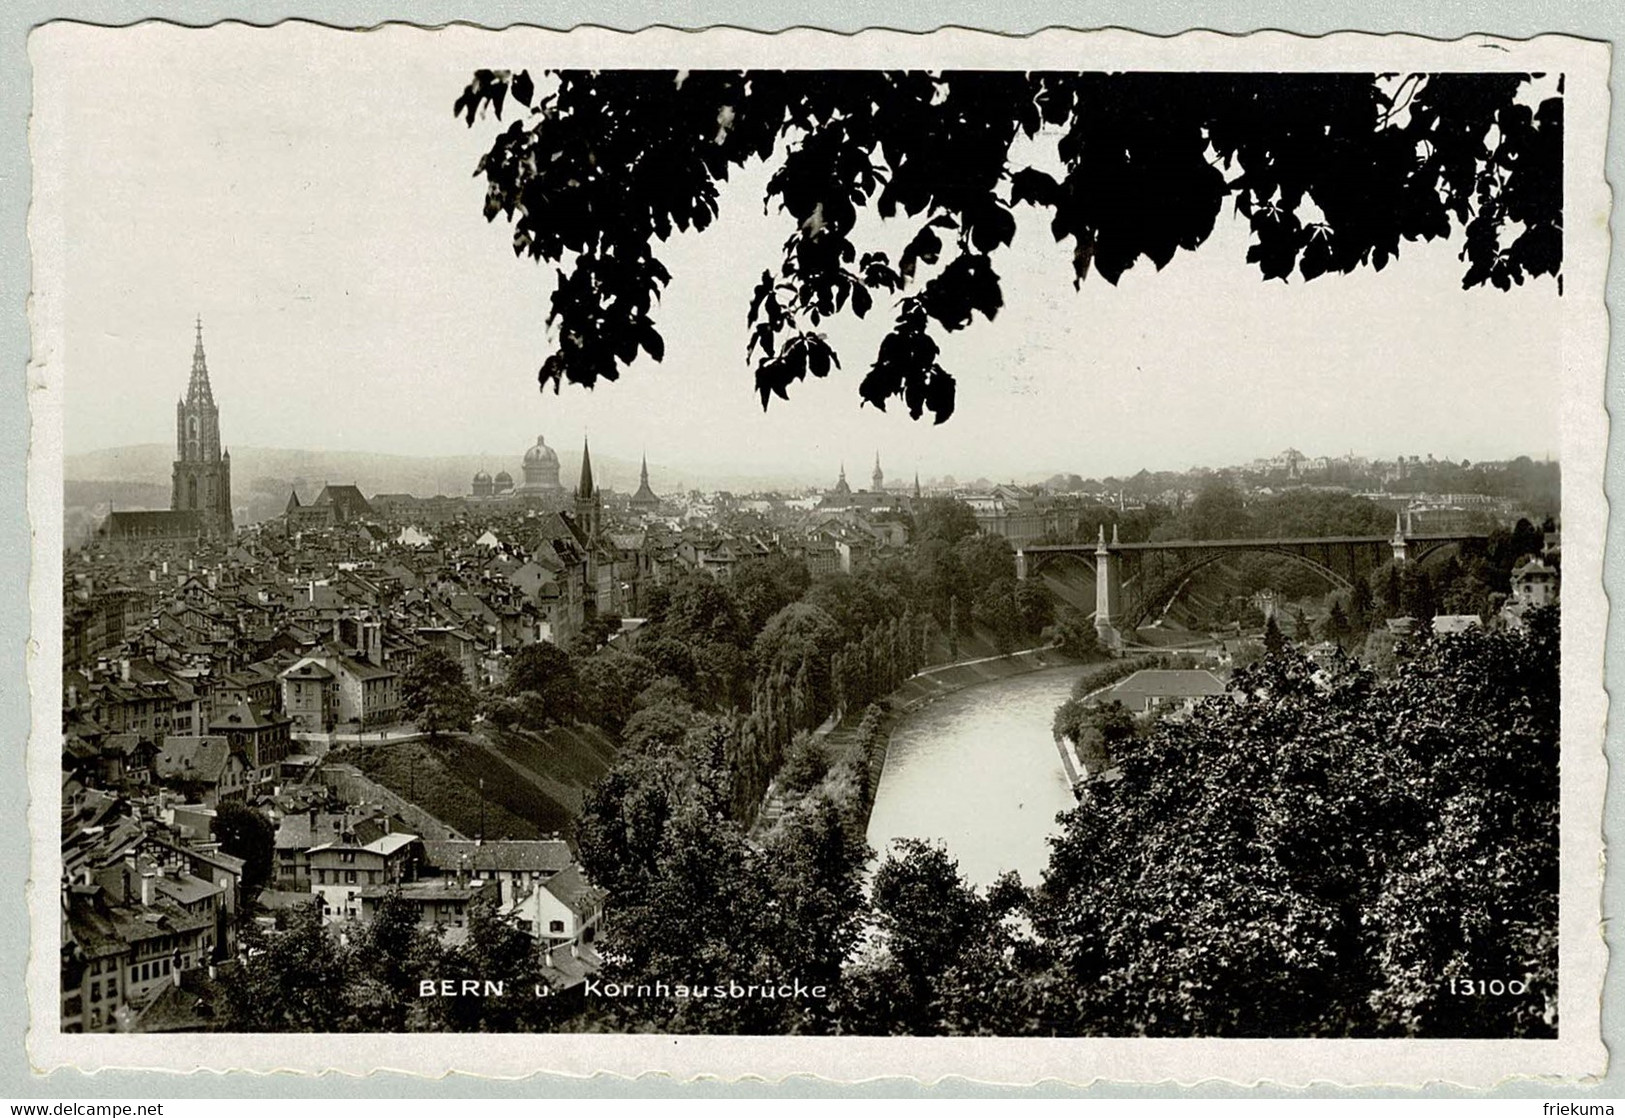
(1331, 171)
(434, 693)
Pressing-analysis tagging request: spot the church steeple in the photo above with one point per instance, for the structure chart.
(198, 391)
(877, 480)
(644, 500)
(589, 505)
(201, 478)
(584, 489)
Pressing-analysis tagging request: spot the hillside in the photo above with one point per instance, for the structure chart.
(533, 783)
(262, 476)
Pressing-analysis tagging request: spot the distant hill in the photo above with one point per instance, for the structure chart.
(262, 476)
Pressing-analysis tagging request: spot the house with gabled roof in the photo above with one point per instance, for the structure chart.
(203, 768)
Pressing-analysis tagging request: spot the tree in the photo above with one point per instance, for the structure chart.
(763, 587)
(1218, 513)
(297, 983)
(435, 694)
(930, 919)
(1361, 606)
(800, 634)
(1322, 856)
(1336, 628)
(1075, 633)
(1301, 630)
(610, 681)
(1274, 639)
(547, 672)
(496, 949)
(247, 834)
(945, 519)
(605, 163)
(392, 954)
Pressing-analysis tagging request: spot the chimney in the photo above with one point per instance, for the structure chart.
(127, 893)
(124, 668)
(149, 882)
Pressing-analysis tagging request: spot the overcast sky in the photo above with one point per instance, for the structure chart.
(309, 193)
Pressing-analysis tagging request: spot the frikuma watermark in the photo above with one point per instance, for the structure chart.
(597, 988)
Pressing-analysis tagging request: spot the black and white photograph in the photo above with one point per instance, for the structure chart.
(1054, 546)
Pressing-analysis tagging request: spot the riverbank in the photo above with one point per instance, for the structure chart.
(844, 745)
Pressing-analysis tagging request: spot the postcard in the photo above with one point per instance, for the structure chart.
(1072, 557)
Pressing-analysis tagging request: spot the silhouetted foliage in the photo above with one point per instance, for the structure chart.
(603, 164)
(247, 834)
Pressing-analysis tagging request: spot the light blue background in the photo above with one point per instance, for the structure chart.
(1597, 19)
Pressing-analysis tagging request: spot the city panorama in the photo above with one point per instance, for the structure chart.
(1020, 677)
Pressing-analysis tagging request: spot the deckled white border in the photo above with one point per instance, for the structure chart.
(1579, 1053)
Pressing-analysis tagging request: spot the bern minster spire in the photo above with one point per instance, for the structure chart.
(200, 481)
(198, 391)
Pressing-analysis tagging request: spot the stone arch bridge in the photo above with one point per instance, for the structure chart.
(1132, 580)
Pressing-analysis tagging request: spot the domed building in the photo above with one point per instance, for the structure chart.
(482, 484)
(541, 468)
(503, 484)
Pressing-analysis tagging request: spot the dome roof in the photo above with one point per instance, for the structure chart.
(504, 475)
(481, 475)
(541, 452)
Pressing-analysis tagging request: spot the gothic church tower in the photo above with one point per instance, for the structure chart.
(589, 503)
(202, 476)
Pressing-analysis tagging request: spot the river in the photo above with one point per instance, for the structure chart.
(979, 771)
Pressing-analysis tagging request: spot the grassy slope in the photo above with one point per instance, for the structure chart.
(533, 782)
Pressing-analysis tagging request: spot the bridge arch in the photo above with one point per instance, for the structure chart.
(1036, 561)
(1171, 583)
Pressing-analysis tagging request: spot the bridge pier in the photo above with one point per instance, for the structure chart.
(1108, 593)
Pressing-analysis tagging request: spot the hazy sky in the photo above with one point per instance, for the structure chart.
(309, 193)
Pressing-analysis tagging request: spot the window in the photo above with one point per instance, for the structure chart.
(556, 927)
(95, 991)
(349, 877)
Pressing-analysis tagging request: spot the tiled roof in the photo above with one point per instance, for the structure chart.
(514, 855)
(1170, 683)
